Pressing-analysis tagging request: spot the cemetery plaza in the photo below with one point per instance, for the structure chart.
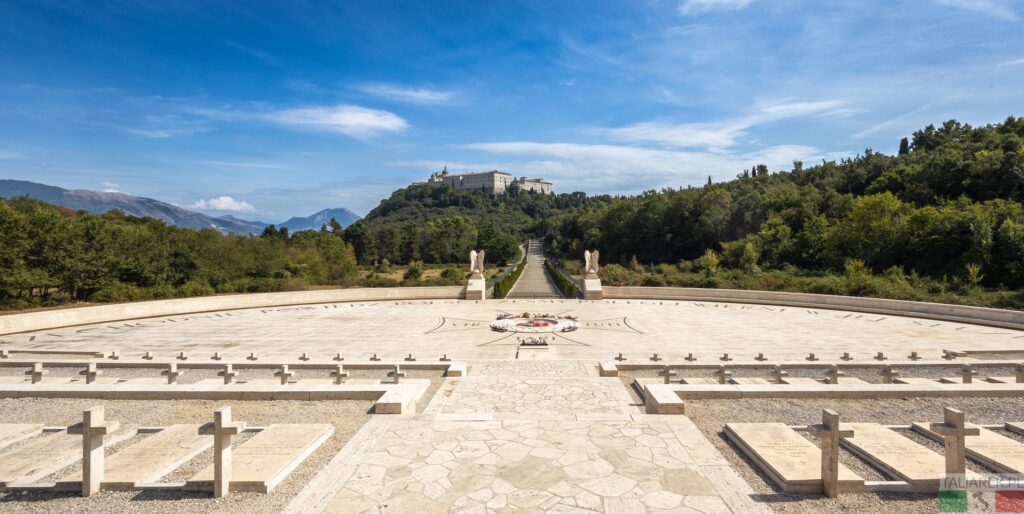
(517, 405)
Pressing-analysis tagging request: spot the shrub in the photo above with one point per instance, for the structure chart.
(196, 288)
(414, 272)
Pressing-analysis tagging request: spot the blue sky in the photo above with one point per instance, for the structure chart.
(271, 110)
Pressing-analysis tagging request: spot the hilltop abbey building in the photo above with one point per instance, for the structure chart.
(494, 182)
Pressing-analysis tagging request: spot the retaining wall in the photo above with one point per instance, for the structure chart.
(31, 321)
(938, 311)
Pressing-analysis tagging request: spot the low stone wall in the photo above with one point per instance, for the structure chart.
(938, 311)
(32, 321)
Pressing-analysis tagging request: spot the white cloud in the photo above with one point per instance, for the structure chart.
(409, 95)
(111, 187)
(350, 120)
(993, 8)
(223, 203)
(700, 6)
(1014, 62)
(717, 135)
(625, 169)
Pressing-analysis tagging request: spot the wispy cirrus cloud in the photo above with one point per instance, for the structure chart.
(1012, 62)
(420, 95)
(689, 7)
(350, 120)
(718, 135)
(630, 169)
(994, 8)
(223, 203)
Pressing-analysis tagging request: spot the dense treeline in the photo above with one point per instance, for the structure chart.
(436, 224)
(941, 220)
(50, 254)
(948, 206)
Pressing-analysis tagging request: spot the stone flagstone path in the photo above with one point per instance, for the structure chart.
(510, 443)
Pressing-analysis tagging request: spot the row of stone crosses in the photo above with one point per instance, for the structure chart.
(94, 428)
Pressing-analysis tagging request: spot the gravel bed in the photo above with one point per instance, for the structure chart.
(346, 416)
(712, 415)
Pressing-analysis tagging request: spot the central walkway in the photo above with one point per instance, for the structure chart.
(534, 282)
(509, 442)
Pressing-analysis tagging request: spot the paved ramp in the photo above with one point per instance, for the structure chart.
(534, 282)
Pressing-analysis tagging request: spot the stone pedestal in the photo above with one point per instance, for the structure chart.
(476, 289)
(592, 289)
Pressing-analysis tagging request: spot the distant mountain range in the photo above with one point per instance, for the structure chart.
(314, 222)
(100, 202)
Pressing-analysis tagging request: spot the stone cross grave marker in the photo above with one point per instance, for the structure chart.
(725, 357)
(833, 374)
(620, 358)
(339, 374)
(222, 429)
(90, 372)
(92, 429)
(779, 374)
(655, 358)
(37, 372)
(689, 357)
(115, 355)
(266, 459)
(252, 356)
(228, 373)
(304, 356)
(444, 358)
(172, 373)
(284, 374)
(338, 357)
(967, 372)
(760, 357)
(888, 374)
(182, 356)
(148, 356)
(216, 356)
(669, 374)
(880, 356)
(723, 374)
(954, 431)
(149, 459)
(410, 358)
(375, 357)
(396, 374)
(830, 433)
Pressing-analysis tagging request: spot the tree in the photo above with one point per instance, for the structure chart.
(904, 146)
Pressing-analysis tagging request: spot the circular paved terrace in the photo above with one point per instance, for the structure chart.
(462, 329)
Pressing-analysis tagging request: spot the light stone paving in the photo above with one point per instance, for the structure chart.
(534, 466)
(511, 397)
(461, 329)
(504, 443)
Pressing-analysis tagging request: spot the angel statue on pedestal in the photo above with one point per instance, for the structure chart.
(476, 263)
(592, 266)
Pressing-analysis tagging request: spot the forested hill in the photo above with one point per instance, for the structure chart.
(438, 224)
(948, 205)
